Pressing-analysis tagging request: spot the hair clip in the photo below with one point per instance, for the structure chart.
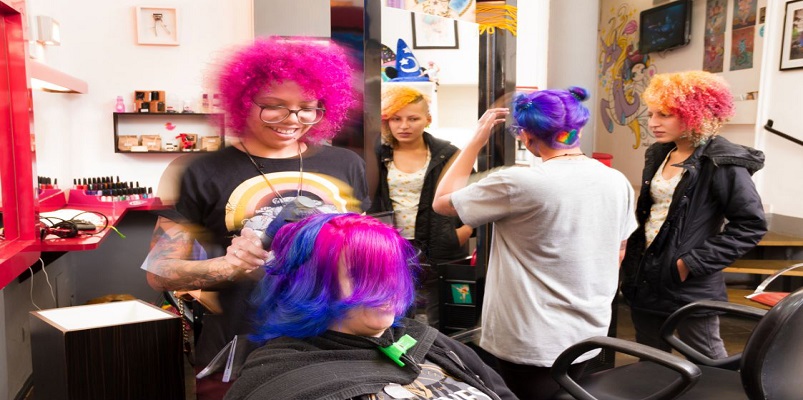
(575, 95)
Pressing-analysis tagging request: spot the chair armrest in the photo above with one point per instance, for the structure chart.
(671, 324)
(768, 280)
(467, 336)
(689, 373)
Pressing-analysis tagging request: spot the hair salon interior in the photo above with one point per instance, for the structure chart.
(111, 56)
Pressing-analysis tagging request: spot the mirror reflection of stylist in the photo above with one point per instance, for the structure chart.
(412, 163)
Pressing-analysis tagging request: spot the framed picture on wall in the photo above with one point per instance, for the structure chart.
(157, 26)
(792, 40)
(433, 32)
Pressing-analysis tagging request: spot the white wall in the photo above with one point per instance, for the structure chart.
(571, 55)
(779, 99)
(74, 133)
(627, 142)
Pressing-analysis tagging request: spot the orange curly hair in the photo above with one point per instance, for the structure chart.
(701, 100)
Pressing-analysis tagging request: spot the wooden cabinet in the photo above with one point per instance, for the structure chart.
(168, 132)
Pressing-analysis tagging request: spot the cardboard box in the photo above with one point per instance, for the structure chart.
(152, 142)
(210, 143)
(125, 142)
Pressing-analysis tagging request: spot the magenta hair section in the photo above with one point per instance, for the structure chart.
(301, 295)
(323, 69)
(701, 100)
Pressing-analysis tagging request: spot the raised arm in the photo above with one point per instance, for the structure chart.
(456, 176)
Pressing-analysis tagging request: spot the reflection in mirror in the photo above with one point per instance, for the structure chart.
(448, 52)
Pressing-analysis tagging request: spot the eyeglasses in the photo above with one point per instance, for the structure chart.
(514, 130)
(276, 114)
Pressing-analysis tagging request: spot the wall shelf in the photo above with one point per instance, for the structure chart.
(133, 126)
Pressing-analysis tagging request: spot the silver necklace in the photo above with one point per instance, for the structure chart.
(265, 177)
(563, 155)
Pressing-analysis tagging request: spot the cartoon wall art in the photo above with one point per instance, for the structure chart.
(624, 74)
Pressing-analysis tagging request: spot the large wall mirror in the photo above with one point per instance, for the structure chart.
(453, 48)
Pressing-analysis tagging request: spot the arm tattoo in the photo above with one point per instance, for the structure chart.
(171, 267)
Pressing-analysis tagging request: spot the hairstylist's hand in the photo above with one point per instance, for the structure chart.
(489, 119)
(246, 253)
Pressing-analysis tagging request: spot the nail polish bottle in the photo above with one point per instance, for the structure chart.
(120, 106)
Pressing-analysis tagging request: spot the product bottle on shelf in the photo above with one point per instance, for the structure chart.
(120, 106)
(205, 103)
(216, 100)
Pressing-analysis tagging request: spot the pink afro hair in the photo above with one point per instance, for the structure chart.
(701, 100)
(322, 69)
(394, 98)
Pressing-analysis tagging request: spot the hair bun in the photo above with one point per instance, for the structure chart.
(579, 93)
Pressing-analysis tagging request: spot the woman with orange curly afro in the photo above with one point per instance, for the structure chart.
(693, 182)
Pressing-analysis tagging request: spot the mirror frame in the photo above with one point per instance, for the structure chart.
(18, 248)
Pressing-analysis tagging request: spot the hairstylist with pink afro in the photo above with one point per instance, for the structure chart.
(282, 98)
(693, 181)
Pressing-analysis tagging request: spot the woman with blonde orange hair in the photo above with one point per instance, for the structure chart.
(693, 181)
(411, 163)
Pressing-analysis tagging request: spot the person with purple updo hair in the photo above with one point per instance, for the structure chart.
(330, 318)
(283, 99)
(698, 210)
(559, 229)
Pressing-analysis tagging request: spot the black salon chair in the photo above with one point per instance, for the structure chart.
(770, 366)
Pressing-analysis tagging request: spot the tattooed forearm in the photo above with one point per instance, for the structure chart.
(170, 266)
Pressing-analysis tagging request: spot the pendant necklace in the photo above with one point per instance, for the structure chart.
(563, 155)
(265, 177)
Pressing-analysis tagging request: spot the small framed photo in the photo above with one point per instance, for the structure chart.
(792, 40)
(157, 26)
(434, 32)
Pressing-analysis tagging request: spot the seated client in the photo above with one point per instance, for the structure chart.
(330, 313)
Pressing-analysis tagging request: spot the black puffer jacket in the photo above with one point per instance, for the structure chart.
(434, 233)
(715, 187)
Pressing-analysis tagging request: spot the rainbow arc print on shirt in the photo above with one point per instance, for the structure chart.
(254, 198)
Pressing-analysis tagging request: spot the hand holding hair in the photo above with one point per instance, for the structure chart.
(489, 119)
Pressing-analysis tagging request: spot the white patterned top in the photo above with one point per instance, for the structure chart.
(661, 191)
(405, 192)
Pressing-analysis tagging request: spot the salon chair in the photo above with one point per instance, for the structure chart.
(769, 367)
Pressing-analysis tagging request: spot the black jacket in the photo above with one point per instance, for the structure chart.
(434, 233)
(715, 187)
(338, 366)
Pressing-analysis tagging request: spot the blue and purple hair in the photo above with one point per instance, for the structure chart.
(322, 69)
(300, 296)
(553, 116)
